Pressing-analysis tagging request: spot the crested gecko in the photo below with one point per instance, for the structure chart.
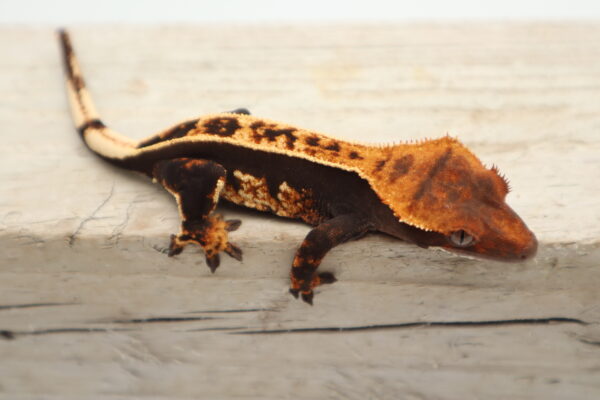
(431, 193)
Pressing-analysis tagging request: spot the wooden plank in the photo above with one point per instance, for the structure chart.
(95, 310)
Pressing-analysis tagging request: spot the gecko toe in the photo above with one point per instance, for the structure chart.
(234, 251)
(326, 278)
(213, 262)
(174, 248)
(308, 297)
(232, 225)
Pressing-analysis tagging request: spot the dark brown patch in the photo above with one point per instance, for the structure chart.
(69, 58)
(256, 131)
(453, 195)
(68, 54)
(335, 146)
(176, 132)
(486, 191)
(354, 155)
(93, 124)
(290, 138)
(437, 166)
(272, 187)
(379, 166)
(257, 125)
(261, 130)
(312, 140)
(221, 126)
(78, 82)
(69, 62)
(401, 167)
(181, 130)
(233, 181)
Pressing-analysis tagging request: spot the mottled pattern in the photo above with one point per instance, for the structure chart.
(270, 132)
(354, 155)
(178, 131)
(403, 176)
(196, 185)
(253, 192)
(436, 167)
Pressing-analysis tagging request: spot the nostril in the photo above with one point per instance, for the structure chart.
(530, 250)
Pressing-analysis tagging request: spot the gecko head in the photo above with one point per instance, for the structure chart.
(460, 205)
(499, 235)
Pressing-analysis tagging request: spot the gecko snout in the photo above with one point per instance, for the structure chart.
(530, 250)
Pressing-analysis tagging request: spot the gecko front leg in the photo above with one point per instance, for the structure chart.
(315, 246)
(196, 185)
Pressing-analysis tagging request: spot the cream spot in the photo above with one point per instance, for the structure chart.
(254, 193)
(218, 189)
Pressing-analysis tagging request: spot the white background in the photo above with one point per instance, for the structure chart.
(138, 11)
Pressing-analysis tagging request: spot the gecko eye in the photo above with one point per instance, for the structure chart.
(461, 238)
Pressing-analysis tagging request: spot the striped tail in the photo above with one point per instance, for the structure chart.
(103, 141)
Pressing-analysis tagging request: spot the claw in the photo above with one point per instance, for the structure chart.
(294, 292)
(211, 235)
(174, 248)
(234, 251)
(308, 297)
(232, 225)
(326, 278)
(213, 262)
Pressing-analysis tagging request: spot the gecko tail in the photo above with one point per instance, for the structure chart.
(102, 140)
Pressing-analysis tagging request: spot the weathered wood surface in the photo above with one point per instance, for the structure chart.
(95, 310)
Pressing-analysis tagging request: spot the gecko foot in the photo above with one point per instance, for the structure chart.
(307, 296)
(211, 235)
(305, 289)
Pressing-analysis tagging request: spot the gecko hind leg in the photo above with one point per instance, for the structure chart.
(196, 185)
(315, 246)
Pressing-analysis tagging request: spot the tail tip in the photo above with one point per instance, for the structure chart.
(62, 33)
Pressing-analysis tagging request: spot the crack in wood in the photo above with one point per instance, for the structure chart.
(115, 237)
(590, 342)
(73, 236)
(33, 305)
(160, 319)
(238, 310)
(8, 334)
(421, 324)
(218, 328)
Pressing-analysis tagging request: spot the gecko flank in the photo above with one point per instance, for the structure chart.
(433, 193)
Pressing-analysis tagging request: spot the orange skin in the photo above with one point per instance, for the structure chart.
(447, 190)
